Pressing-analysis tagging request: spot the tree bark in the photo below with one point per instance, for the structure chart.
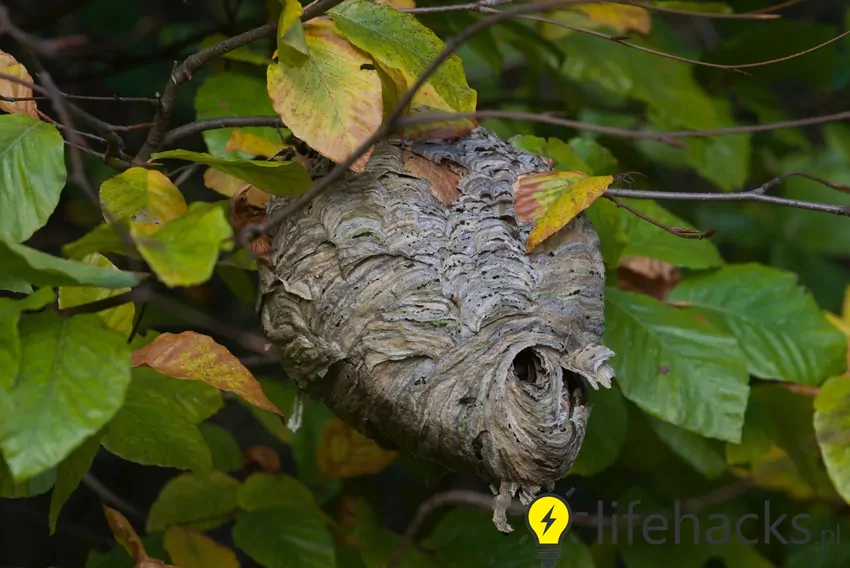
(429, 328)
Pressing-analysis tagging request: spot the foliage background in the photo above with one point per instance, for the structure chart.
(129, 50)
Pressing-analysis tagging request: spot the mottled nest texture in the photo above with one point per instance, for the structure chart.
(425, 324)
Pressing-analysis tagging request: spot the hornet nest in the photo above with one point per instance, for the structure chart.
(419, 318)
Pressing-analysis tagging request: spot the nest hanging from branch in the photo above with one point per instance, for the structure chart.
(418, 317)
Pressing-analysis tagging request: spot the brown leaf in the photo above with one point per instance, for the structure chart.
(198, 357)
(10, 66)
(125, 535)
(261, 458)
(347, 517)
(647, 276)
(229, 186)
(344, 452)
(443, 181)
(243, 214)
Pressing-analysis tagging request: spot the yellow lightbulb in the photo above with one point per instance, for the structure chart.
(548, 517)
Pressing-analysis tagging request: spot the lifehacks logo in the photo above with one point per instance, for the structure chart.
(548, 518)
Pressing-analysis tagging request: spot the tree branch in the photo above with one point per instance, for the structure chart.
(683, 232)
(186, 70)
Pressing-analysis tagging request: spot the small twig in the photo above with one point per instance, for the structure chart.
(141, 293)
(683, 232)
(426, 509)
(843, 210)
(780, 178)
(108, 496)
(804, 390)
(137, 323)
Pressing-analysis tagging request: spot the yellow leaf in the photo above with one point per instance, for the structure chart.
(619, 17)
(125, 535)
(344, 452)
(333, 101)
(119, 318)
(10, 66)
(198, 357)
(191, 549)
(228, 185)
(244, 141)
(551, 199)
(146, 198)
(292, 48)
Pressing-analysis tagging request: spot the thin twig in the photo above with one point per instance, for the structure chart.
(108, 496)
(141, 293)
(753, 195)
(683, 232)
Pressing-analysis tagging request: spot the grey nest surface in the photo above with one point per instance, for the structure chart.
(425, 324)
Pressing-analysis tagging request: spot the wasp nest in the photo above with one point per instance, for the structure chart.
(417, 316)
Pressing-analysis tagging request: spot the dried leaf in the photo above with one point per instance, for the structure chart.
(125, 534)
(193, 356)
(551, 199)
(649, 276)
(10, 66)
(344, 452)
(244, 141)
(228, 185)
(261, 458)
(332, 101)
(443, 181)
(347, 519)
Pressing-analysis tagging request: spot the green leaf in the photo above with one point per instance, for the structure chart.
(11, 489)
(608, 221)
(32, 174)
(285, 538)
(10, 339)
(606, 432)
(73, 377)
(234, 94)
(184, 251)
(69, 473)
(265, 491)
(291, 45)
(597, 157)
(275, 177)
(42, 269)
(378, 543)
(246, 54)
(141, 196)
(119, 318)
(832, 425)
(102, 238)
(156, 425)
(399, 41)
(466, 537)
(645, 239)
(565, 157)
(694, 545)
(197, 501)
(225, 451)
(676, 367)
(704, 455)
(779, 326)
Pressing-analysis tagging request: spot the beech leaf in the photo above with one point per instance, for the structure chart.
(146, 198)
(191, 549)
(552, 199)
(10, 66)
(335, 78)
(119, 318)
(193, 356)
(344, 452)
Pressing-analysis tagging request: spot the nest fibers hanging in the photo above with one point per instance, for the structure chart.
(427, 327)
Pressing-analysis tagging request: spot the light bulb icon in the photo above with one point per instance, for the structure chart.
(548, 517)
